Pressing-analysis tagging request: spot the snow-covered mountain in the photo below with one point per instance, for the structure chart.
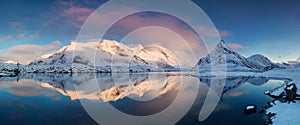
(284, 65)
(261, 62)
(223, 56)
(105, 56)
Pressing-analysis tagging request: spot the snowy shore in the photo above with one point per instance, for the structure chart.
(286, 113)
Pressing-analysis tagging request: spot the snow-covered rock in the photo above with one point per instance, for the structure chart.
(250, 109)
(105, 56)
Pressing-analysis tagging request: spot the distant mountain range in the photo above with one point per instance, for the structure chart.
(224, 57)
(105, 56)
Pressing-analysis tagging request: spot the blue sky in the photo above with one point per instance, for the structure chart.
(268, 27)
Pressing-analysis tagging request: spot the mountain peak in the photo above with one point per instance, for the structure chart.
(221, 48)
(259, 61)
(222, 55)
(222, 45)
(222, 41)
(84, 59)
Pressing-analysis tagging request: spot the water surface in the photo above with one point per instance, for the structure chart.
(57, 99)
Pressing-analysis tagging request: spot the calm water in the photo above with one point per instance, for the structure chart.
(156, 98)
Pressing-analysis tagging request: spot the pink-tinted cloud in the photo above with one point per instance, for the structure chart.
(77, 15)
(168, 22)
(28, 52)
(21, 32)
(236, 46)
(81, 13)
(78, 10)
(16, 24)
(17, 37)
(212, 32)
(294, 62)
(35, 34)
(225, 33)
(23, 36)
(18, 27)
(68, 13)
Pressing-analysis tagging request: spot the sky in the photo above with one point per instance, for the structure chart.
(32, 28)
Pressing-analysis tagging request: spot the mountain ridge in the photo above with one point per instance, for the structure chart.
(105, 56)
(224, 56)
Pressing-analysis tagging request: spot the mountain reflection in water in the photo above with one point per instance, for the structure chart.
(46, 97)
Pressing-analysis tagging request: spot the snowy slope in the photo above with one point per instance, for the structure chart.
(104, 56)
(223, 56)
(261, 62)
(283, 65)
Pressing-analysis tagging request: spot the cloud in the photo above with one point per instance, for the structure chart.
(26, 53)
(69, 13)
(294, 62)
(77, 15)
(21, 32)
(225, 33)
(236, 46)
(212, 32)
(17, 37)
(68, 16)
(77, 10)
(35, 34)
(19, 27)
(22, 36)
(16, 24)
